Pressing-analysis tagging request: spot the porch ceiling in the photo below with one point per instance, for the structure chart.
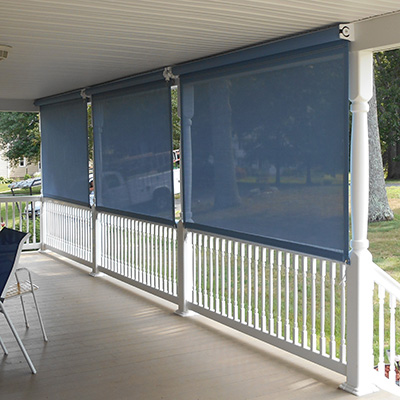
(61, 45)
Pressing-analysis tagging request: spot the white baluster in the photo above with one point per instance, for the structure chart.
(170, 258)
(165, 252)
(392, 305)
(195, 261)
(174, 263)
(148, 254)
(156, 254)
(323, 283)
(256, 312)
(242, 306)
(229, 244)
(271, 292)
(211, 283)
(206, 250)
(152, 256)
(296, 301)
(223, 254)
(313, 305)
(249, 285)
(279, 295)
(332, 311)
(235, 282)
(131, 249)
(287, 297)
(381, 361)
(158, 263)
(141, 252)
(199, 278)
(343, 350)
(263, 290)
(217, 297)
(120, 246)
(304, 337)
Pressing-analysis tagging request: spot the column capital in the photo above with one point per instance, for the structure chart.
(359, 106)
(361, 70)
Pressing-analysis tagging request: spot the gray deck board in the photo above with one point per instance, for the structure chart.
(108, 340)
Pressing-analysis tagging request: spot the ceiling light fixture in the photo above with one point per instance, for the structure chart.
(4, 50)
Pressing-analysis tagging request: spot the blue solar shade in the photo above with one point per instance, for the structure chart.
(133, 151)
(9, 242)
(265, 150)
(65, 151)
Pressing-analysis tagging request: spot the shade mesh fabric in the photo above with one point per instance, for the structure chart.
(265, 150)
(133, 151)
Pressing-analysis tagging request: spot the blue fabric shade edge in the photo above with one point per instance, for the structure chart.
(284, 245)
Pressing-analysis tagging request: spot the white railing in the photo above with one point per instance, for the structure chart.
(293, 301)
(386, 330)
(140, 252)
(23, 213)
(68, 230)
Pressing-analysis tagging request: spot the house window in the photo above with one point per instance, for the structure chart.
(22, 162)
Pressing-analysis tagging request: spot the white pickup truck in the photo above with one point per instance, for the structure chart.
(139, 189)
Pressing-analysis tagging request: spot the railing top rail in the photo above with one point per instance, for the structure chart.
(17, 198)
(235, 239)
(149, 221)
(66, 203)
(384, 279)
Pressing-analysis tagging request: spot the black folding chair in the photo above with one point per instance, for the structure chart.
(11, 243)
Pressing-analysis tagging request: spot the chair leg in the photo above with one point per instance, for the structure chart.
(39, 317)
(17, 338)
(3, 346)
(23, 310)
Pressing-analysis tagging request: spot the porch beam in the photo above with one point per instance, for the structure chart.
(377, 34)
(20, 105)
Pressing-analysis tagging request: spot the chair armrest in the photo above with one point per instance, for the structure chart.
(26, 270)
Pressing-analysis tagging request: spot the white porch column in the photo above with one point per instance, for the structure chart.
(360, 284)
(96, 243)
(43, 224)
(185, 269)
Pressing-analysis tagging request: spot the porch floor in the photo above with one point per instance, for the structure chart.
(108, 340)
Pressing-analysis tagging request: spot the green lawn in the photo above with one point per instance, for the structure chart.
(17, 212)
(384, 237)
(384, 240)
(6, 191)
(4, 188)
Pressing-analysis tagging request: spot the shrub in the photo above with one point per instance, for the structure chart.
(6, 180)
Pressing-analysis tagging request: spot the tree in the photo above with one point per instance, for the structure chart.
(20, 136)
(387, 75)
(176, 121)
(226, 189)
(90, 131)
(378, 208)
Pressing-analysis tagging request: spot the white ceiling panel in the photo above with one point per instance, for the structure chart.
(61, 45)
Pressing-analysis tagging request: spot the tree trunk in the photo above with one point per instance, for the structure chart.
(393, 152)
(378, 209)
(226, 190)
